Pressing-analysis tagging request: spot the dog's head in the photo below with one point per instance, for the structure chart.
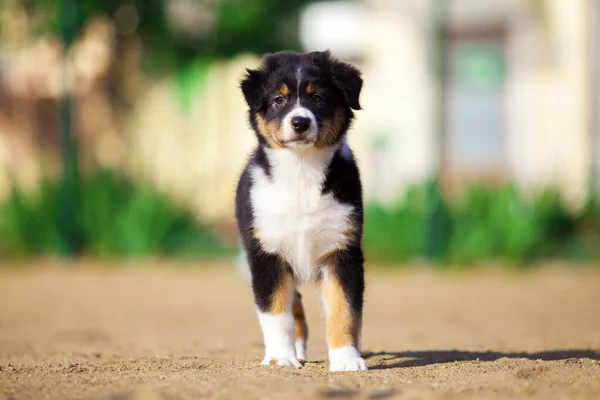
(301, 100)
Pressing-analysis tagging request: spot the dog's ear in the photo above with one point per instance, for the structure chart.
(321, 59)
(252, 87)
(348, 79)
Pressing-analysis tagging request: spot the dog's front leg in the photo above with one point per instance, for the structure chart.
(274, 286)
(342, 286)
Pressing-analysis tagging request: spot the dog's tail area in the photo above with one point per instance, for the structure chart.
(242, 266)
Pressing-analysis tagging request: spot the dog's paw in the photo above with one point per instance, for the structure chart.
(353, 364)
(346, 358)
(301, 350)
(282, 362)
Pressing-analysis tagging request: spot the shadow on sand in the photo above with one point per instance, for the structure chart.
(422, 358)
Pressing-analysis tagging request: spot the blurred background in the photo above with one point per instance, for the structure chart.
(123, 131)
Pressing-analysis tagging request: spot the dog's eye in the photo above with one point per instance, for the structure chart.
(279, 100)
(316, 98)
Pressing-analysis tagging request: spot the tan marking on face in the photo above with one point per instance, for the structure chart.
(330, 129)
(270, 131)
(299, 318)
(280, 300)
(342, 324)
(284, 90)
(311, 89)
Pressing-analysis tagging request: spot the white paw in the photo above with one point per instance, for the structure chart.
(354, 364)
(301, 350)
(346, 358)
(279, 336)
(282, 362)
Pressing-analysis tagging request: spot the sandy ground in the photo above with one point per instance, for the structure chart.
(187, 333)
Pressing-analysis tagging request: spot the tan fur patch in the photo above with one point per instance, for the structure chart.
(281, 297)
(310, 89)
(351, 232)
(342, 325)
(270, 131)
(299, 318)
(284, 90)
(330, 129)
(349, 235)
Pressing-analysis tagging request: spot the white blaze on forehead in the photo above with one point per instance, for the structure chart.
(298, 81)
(302, 112)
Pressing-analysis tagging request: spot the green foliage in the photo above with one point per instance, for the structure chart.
(493, 222)
(257, 26)
(27, 221)
(118, 218)
(402, 231)
(253, 26)
(499, 223)
(189, 81)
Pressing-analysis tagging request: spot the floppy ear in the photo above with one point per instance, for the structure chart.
(348, 79)
(321, 58)
(252, 87)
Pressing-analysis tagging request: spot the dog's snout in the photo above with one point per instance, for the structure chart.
(300, 124)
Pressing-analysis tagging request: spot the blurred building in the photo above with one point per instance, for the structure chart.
(517, 102)
(595, 105)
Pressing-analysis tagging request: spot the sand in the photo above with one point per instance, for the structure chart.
(161, 330)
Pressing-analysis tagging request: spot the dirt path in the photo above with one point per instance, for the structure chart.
(183, 333)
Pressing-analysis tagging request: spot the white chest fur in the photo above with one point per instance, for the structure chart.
(291, 215)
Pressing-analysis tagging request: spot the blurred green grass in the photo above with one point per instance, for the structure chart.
(124, 218)
(117, 218)
(485, 223)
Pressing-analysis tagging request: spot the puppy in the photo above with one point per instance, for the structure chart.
(299, 204)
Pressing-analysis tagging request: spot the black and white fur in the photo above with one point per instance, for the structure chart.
(299, 204)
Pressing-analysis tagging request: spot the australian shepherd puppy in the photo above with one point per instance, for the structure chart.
(299, 204)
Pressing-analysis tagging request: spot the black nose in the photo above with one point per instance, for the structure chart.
(300, 124)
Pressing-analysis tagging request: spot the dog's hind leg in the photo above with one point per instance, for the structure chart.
(300, 325)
